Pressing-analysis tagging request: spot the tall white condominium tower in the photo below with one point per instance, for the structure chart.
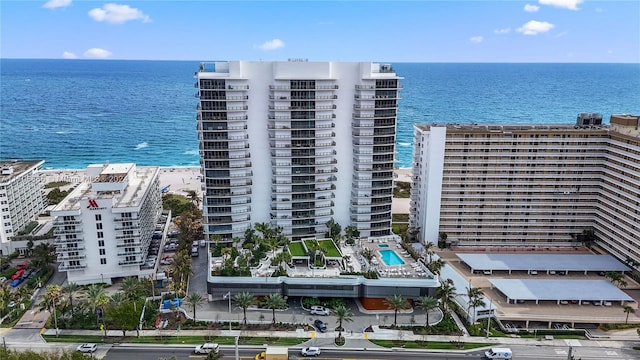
(295, 144)
(530, 185)
(21, 198)
(104, 226)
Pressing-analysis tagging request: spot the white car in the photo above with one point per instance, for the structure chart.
(319, 310)
(206, 348)
(87, 348)
(310, 351)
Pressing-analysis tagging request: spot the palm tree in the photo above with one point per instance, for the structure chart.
(71, 290)
(427, 303)
(132, 290)
(101, 302)
(5, 297)
(192, 195)
(43, 256)
(628, 310)
(333, 229)
(244, 300)
(194, 300)
(351, 232)
(436, 266)
(396, 303)
(51, 297)
(342, 313)
(428, 248)
(446, 292)
(475, 299)
(94, 292)
(273, 302)
(616, 278)
(118, 298)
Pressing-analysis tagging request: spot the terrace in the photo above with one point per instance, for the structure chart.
(390, 259)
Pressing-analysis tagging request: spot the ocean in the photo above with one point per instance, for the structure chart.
(75, 112)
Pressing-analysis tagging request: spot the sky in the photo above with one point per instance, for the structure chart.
(397, 31)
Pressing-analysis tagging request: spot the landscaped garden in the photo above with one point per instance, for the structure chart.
(297, 249)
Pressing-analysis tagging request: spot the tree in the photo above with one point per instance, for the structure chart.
(442, 240)
(436, 266)
(632, 263)
(118, 298)
(124, 317)
(72, 290)
(94, 293)
(628, 310)
(475, 299)
(396, 303)
(194, 300)
(446, 292)
(616, 278)
(273, 302)
(192, 195)
(50, 300)
(5, 298)
(412, 233)
(333, 230)
(132, 289)
(351, 233)
(427, 303)
(342, 313)
(244, 300)
(43, 256)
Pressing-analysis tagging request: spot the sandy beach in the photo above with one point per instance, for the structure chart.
(179, 180)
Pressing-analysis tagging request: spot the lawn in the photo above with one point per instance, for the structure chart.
(330, 248)
(296, 249)
(175, 339)
(433, 345)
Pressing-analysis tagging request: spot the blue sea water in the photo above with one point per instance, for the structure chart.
(76, 112)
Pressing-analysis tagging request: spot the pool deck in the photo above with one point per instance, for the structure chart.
(410, 269)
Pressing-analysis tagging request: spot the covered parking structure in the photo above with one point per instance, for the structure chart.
(548, 263)
(596, 291)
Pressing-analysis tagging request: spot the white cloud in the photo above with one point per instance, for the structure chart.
(476, 39)
(114, 13)
(54, 4)
(69, 55)
(502, 31)
(271, 45)
(534, 27)
(97, 53)
(565, 4)
(531, 8)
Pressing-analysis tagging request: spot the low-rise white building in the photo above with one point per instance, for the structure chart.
(105, 225)
(21, 198)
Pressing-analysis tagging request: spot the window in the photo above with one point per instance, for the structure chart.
(100, 235)
(103, 261)
(99, 226)
(98, 217)
(100, 242)
(102, 252)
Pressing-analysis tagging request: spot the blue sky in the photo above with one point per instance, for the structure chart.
(397, 31)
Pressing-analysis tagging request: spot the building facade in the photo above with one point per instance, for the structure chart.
(295, 144)
(21, 198)
(103, 228)
(524, 185)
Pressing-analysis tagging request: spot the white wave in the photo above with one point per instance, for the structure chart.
(191, 152)
(405, 144)
(142, 145)
(63, 132)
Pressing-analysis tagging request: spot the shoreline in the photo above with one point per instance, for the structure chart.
(180, 180)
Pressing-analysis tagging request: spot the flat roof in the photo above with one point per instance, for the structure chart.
(547, 289)
(543, 262)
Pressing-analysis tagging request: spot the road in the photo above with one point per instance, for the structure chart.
(522, 352)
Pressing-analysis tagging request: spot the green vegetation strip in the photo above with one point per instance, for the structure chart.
(296, 249)
(432, 345)
(55, 184)
(175, 339)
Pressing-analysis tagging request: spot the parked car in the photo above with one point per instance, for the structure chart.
(321, 326)
(319, 310)
(87, 348)
(310, 351)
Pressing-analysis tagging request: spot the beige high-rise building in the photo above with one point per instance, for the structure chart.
(524, 185)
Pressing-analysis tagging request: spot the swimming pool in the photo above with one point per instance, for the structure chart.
(383, 245)
(391, 258)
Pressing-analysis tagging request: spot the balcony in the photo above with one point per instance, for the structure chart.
(67, 231)
(295, 88)
(71, 267)
(62, 257)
